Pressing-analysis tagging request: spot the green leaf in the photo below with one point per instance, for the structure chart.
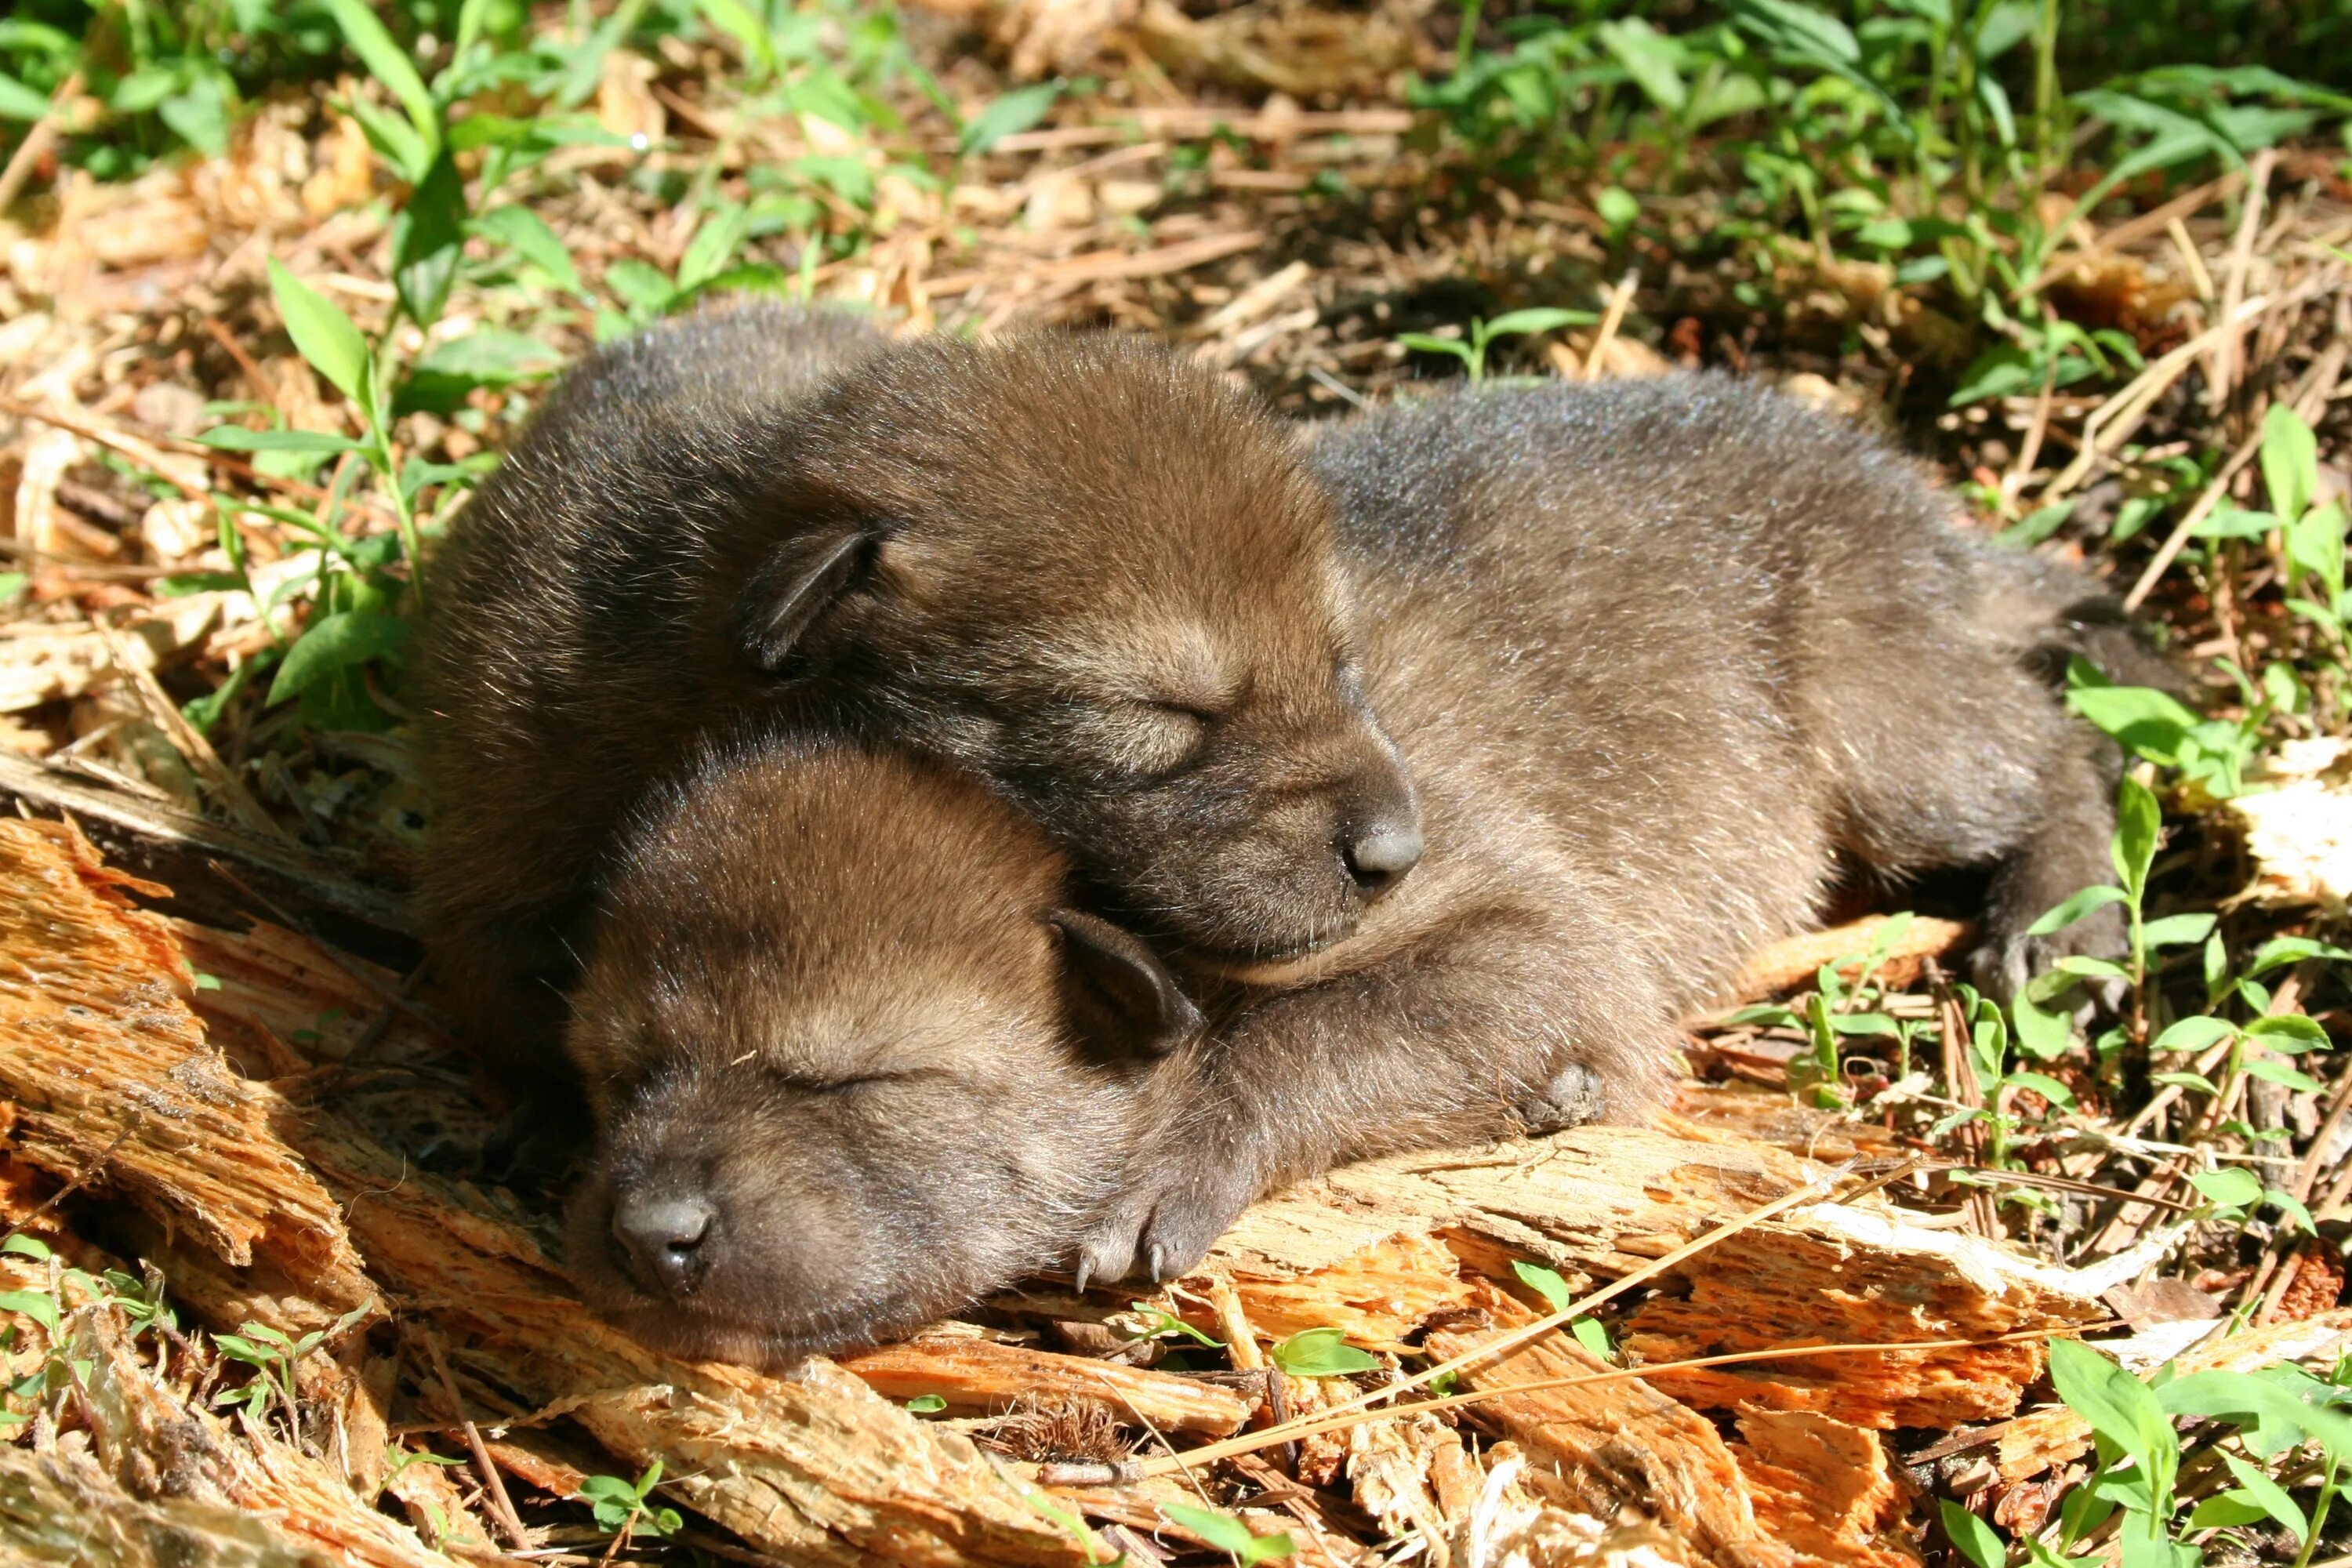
(428, 241)
(1804, 31)
(1593, 1335)
(2194, 1035)
(36, 1305)
(714, 244)
(1157, 1321)
(389, 63)
(2048, 1087)
(1227, 1533)
(19, 102)
(1321, 1353)
(925, 1404)
(1974, 1540)
(2279, 1072)
(323, 334)
(2282, 951)
(20, 1246)
(491, 356)
(1650, 58)
(1617, 207)
(748, 27)
(2119, 1406)
(2292, 1207)
(2139, 822)
(1008, 115)
(237, 438)
(640, 285)
(394, 137)
(1544, 1282)
(2196, 1080)
(2290, 1034)
(2272, 1415)
(1543, 320)
(2042, 1031)
(2231, 1186)
(1421, 342)
(199, 115)
(336, 642)
(2289, 461)
(2150, 722)
(526, 234)
(2226, 1510)
(11, 585)
(2177, 931)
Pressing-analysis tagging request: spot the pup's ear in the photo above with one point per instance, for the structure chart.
(794, 586)
(1120, 986)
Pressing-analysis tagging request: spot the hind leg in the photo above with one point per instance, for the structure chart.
(1946, 751)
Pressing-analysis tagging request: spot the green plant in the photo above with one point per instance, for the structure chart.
(1160, 1325)
(1321, 1353)
(2043, 1028)
(1229, 1534)
(1516, 323)
(1837, 1011)
(1589, 1333)
(925, 1404)
(621, 1507)
(274, 1354)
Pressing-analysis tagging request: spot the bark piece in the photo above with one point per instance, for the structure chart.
(1823, 1488)
(1608, 1446)
(152, 1441)
(1793, 961)
(973, 1374)
(57, 1509)
(103, 1060)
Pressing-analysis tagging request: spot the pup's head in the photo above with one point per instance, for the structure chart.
(851, 1061)
(1095, 573)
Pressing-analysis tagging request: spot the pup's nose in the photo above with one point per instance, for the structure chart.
(1380, 853)
(665, 1236)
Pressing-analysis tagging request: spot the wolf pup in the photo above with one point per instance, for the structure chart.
(852, 1057)
(1664, 653)
(1078, 566)
(1667, 655)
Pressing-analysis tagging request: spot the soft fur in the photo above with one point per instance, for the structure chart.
(1662, 655)
(833, 995)
(1079, 567)
(1665, 657)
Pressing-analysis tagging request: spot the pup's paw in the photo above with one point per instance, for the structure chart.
(1574, 1096)
(1163, 1228)
(2002, 967)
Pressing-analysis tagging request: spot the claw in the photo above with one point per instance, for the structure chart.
(1086, 1272)
(1159, 1264)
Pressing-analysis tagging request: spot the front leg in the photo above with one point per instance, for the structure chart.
(1516, 1024)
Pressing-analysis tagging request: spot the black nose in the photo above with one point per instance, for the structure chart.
(1380, 853)
(665, 1237)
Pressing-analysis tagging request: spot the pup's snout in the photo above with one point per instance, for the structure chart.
(1379, 853)
(667, 1237)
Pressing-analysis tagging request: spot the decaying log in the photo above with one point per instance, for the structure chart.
(1793, 961)
(1598, 1202)
(136, 1420)
(173, 845)
(978, 1375)
(818, 1468)
(1824, 1489)
(1611, 1445)
(104, 1062)
(62, 1508)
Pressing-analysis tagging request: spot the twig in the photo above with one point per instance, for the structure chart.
(37, 138)
(83, 1178)
(502, 1507)
(1812, 1192)
(1620, 299)
(2222, 368)
(1353, 1415)
(2147, 222)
